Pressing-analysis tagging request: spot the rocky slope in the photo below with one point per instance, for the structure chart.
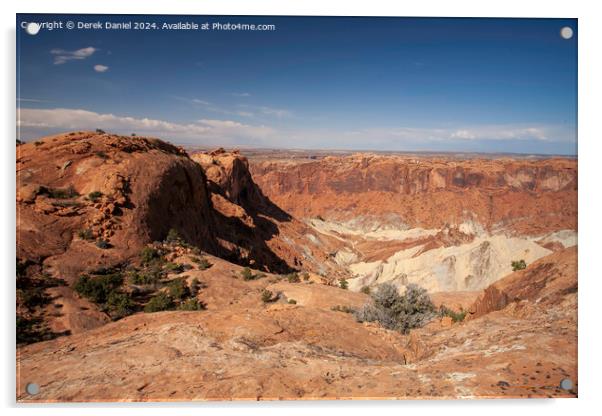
(241, 348)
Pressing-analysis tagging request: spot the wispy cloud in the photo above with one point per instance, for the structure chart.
(240, 94)
(31, 100)
(203, 130)
(101, 68)
(62, 56)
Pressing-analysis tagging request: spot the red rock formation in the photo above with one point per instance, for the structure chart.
(527, 196)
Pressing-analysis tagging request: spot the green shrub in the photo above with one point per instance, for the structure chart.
(518, 265)
(413, 309)
(62, 193)
(159, 302)
(365, 289)
(174, 267)
(94, 196)
(85, 234)
(98, 288)
(178, 289)
(456, 316)
(33, 297)
(120, 305)
(267, 296)
(247, 274)
(192, 305)
(148, 276)
(195, 286)
(343, 284)
(201, 262)
(103, 244)
(148, 254)
(173, 236)
(292, 278)
(342, 308)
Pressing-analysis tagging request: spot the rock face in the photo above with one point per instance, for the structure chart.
(77, 188)
(544, 282)
(525, 196)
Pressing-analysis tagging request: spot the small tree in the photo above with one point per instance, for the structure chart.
(518, 265)
(159, 302)
(120, 305)
(178, 290)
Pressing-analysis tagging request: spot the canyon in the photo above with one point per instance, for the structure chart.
(317, 233)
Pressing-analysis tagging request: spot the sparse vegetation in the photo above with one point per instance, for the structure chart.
(267, 296)
(518, 265)
(402, 313)
(103, 244)
(365, 290)
(173, 236)
(174, 267)
(94, 196)
(120, 305)
(178, 289)
(292, 278)
(148, 276)
(60, 193)
(343, 284)
(192, 305)
(456, 316)
(160, 302)
(342, 308)
(85, 234)
(98, 288)
(247, 274)
(149, 254)
(201, 262)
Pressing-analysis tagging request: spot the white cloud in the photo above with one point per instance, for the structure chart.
(101, 68)
(205, 130)
(62, 56)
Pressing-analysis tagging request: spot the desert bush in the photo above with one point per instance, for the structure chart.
(120, 305)
(30, 330)
(62, 193)
(148, 254)
(147, 276)
(173, 236)
(85, 234)
(201, 262)
(33, 297)
(456, 316)
(100, 131)
(101, 154)
(103, 244)
(160, 302)
(94, 196)
(305, 276)
(267, 296)
(192, 305)
(195, 286)
(292, 301)
(343, 284)
(342, 308)
(413, 309)
(98, 288)
(518, 265)
(178, 289)
(174, 267)
(292, 278)
(247, 274)
(365, 290)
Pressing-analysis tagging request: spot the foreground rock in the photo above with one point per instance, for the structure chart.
(241, 348)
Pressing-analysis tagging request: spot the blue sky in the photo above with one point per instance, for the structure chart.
(481, 85)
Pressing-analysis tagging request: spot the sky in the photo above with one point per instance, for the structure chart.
(397, 84)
